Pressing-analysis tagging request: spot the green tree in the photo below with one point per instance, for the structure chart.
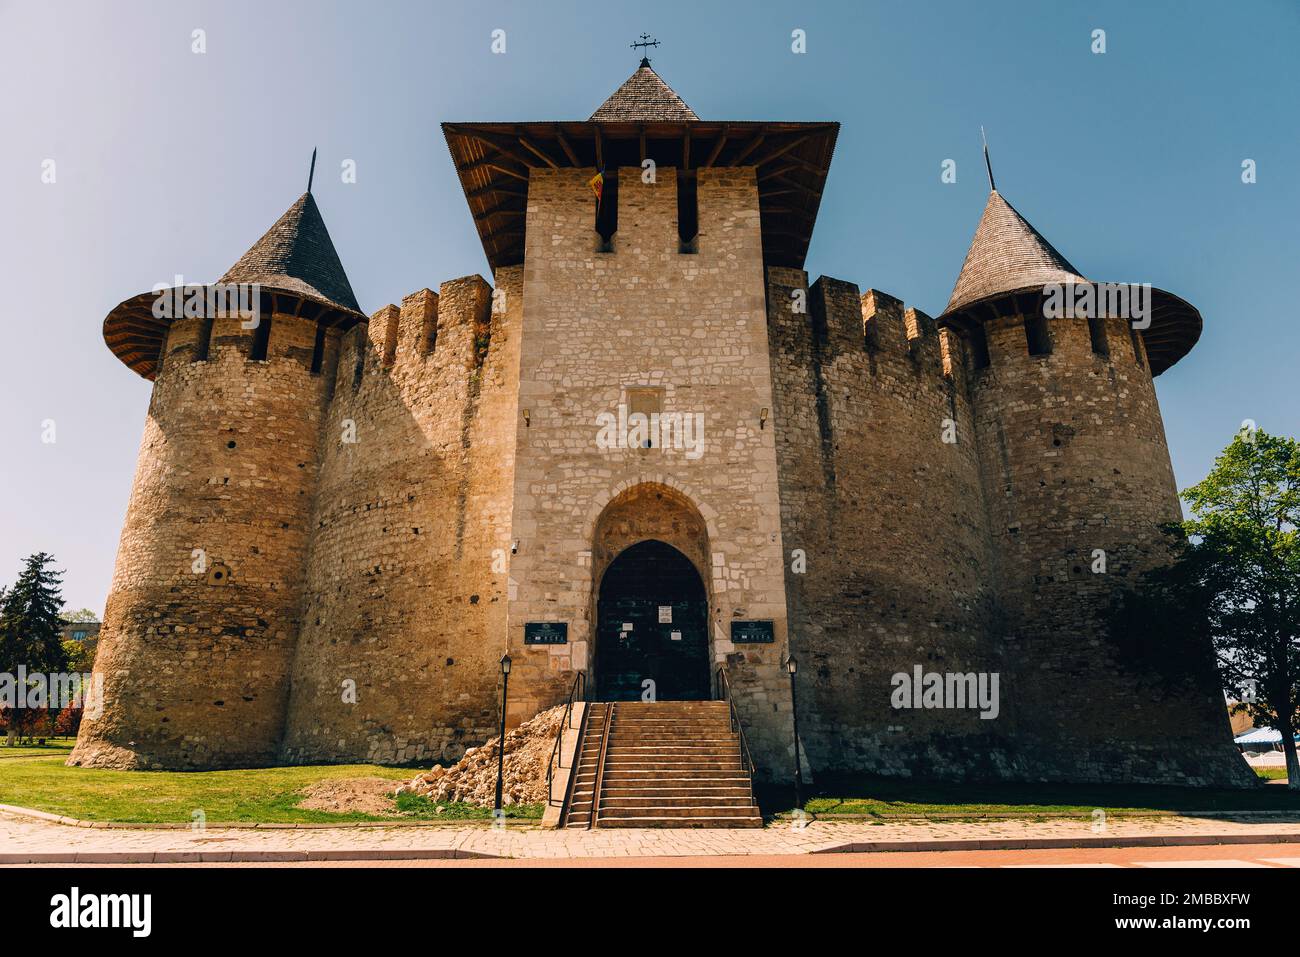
(1236, 582)
(80, 655)
(73, 615)
(31, 629)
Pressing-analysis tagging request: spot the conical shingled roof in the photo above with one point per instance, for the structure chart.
(297, 255)
(295, 259)
(1007, 255)
(643, 97)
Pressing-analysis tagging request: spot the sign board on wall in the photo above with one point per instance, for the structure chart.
(546, 633)
(752, 632)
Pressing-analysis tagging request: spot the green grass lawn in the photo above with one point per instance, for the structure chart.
(61, 746)
(36, 777)
(885, 798)
(1272, 774)
(257, 795)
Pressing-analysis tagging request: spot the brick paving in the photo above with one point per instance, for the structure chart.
(28, 839)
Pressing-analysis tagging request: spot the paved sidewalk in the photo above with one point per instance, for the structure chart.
(31, 840)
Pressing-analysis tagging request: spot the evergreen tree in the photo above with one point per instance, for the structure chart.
(31, 629)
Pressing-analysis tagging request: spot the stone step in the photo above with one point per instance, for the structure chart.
(637, 745)
(666, 764)
(652, 763)
(693, 775)
(692, 809)
(680, 791)
(629, 707)
(609, 802)
(661, 821)
(635, 780)
(632, 739)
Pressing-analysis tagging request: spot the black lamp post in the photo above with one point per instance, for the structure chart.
(792, 667)
(501, 746)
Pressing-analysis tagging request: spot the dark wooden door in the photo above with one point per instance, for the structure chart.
(652, 624)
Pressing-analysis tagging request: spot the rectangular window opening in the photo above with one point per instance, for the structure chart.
(203, 342)
(359, 369)
(318, 349)
(979, 347)
(261, 336)
(688, 214)
(607, 213)
(1037, 337)
(1137, 345)
(1097, 333)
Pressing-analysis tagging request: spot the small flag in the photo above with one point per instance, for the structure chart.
(597, 183)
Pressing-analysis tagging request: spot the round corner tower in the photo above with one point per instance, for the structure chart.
(203, 614)
(1078, 482)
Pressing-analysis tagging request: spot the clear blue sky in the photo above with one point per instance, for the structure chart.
(171, 162)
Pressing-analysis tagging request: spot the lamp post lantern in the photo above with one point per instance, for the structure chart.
(791, 666)
(501, 744)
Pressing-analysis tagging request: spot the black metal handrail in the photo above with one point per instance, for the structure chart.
(557, 751)
(594, 819)
(724, 694)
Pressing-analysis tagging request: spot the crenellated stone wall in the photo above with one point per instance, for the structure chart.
(880, 491)
(404, 617)
(952, 517)
(380, 516)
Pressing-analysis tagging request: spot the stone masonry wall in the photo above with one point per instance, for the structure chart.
(404, 606)
(891, 519)
(1076, 470)
(974, 555)
(196, 650)
(646, 315)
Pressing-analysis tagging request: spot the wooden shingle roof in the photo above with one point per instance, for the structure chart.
(1008, 264)
(295, 265)
(1007, 255)
(297, 254)
(644, 96)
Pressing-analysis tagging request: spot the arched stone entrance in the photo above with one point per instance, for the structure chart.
(652, 627)
(650, 570)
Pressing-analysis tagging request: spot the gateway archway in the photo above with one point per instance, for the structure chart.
(652, 615)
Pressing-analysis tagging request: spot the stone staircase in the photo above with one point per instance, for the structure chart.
(661, 764)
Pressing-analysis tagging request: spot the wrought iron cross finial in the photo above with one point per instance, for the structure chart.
(647, 43)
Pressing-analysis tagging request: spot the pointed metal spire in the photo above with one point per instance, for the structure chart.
(646, 43)
(312, 172)
(988, 165)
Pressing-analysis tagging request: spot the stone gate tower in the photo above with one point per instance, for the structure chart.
(653, 453)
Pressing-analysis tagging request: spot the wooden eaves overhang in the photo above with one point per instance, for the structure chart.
(494, 160)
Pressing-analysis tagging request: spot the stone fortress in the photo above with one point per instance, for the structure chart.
(339, 524)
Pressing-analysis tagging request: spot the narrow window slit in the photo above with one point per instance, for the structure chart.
(979, 347)
(1097, 333)
(1037, 337)
(203, 342)
(318, 350)
(261, 332)
(607, 213)
(688, 214)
